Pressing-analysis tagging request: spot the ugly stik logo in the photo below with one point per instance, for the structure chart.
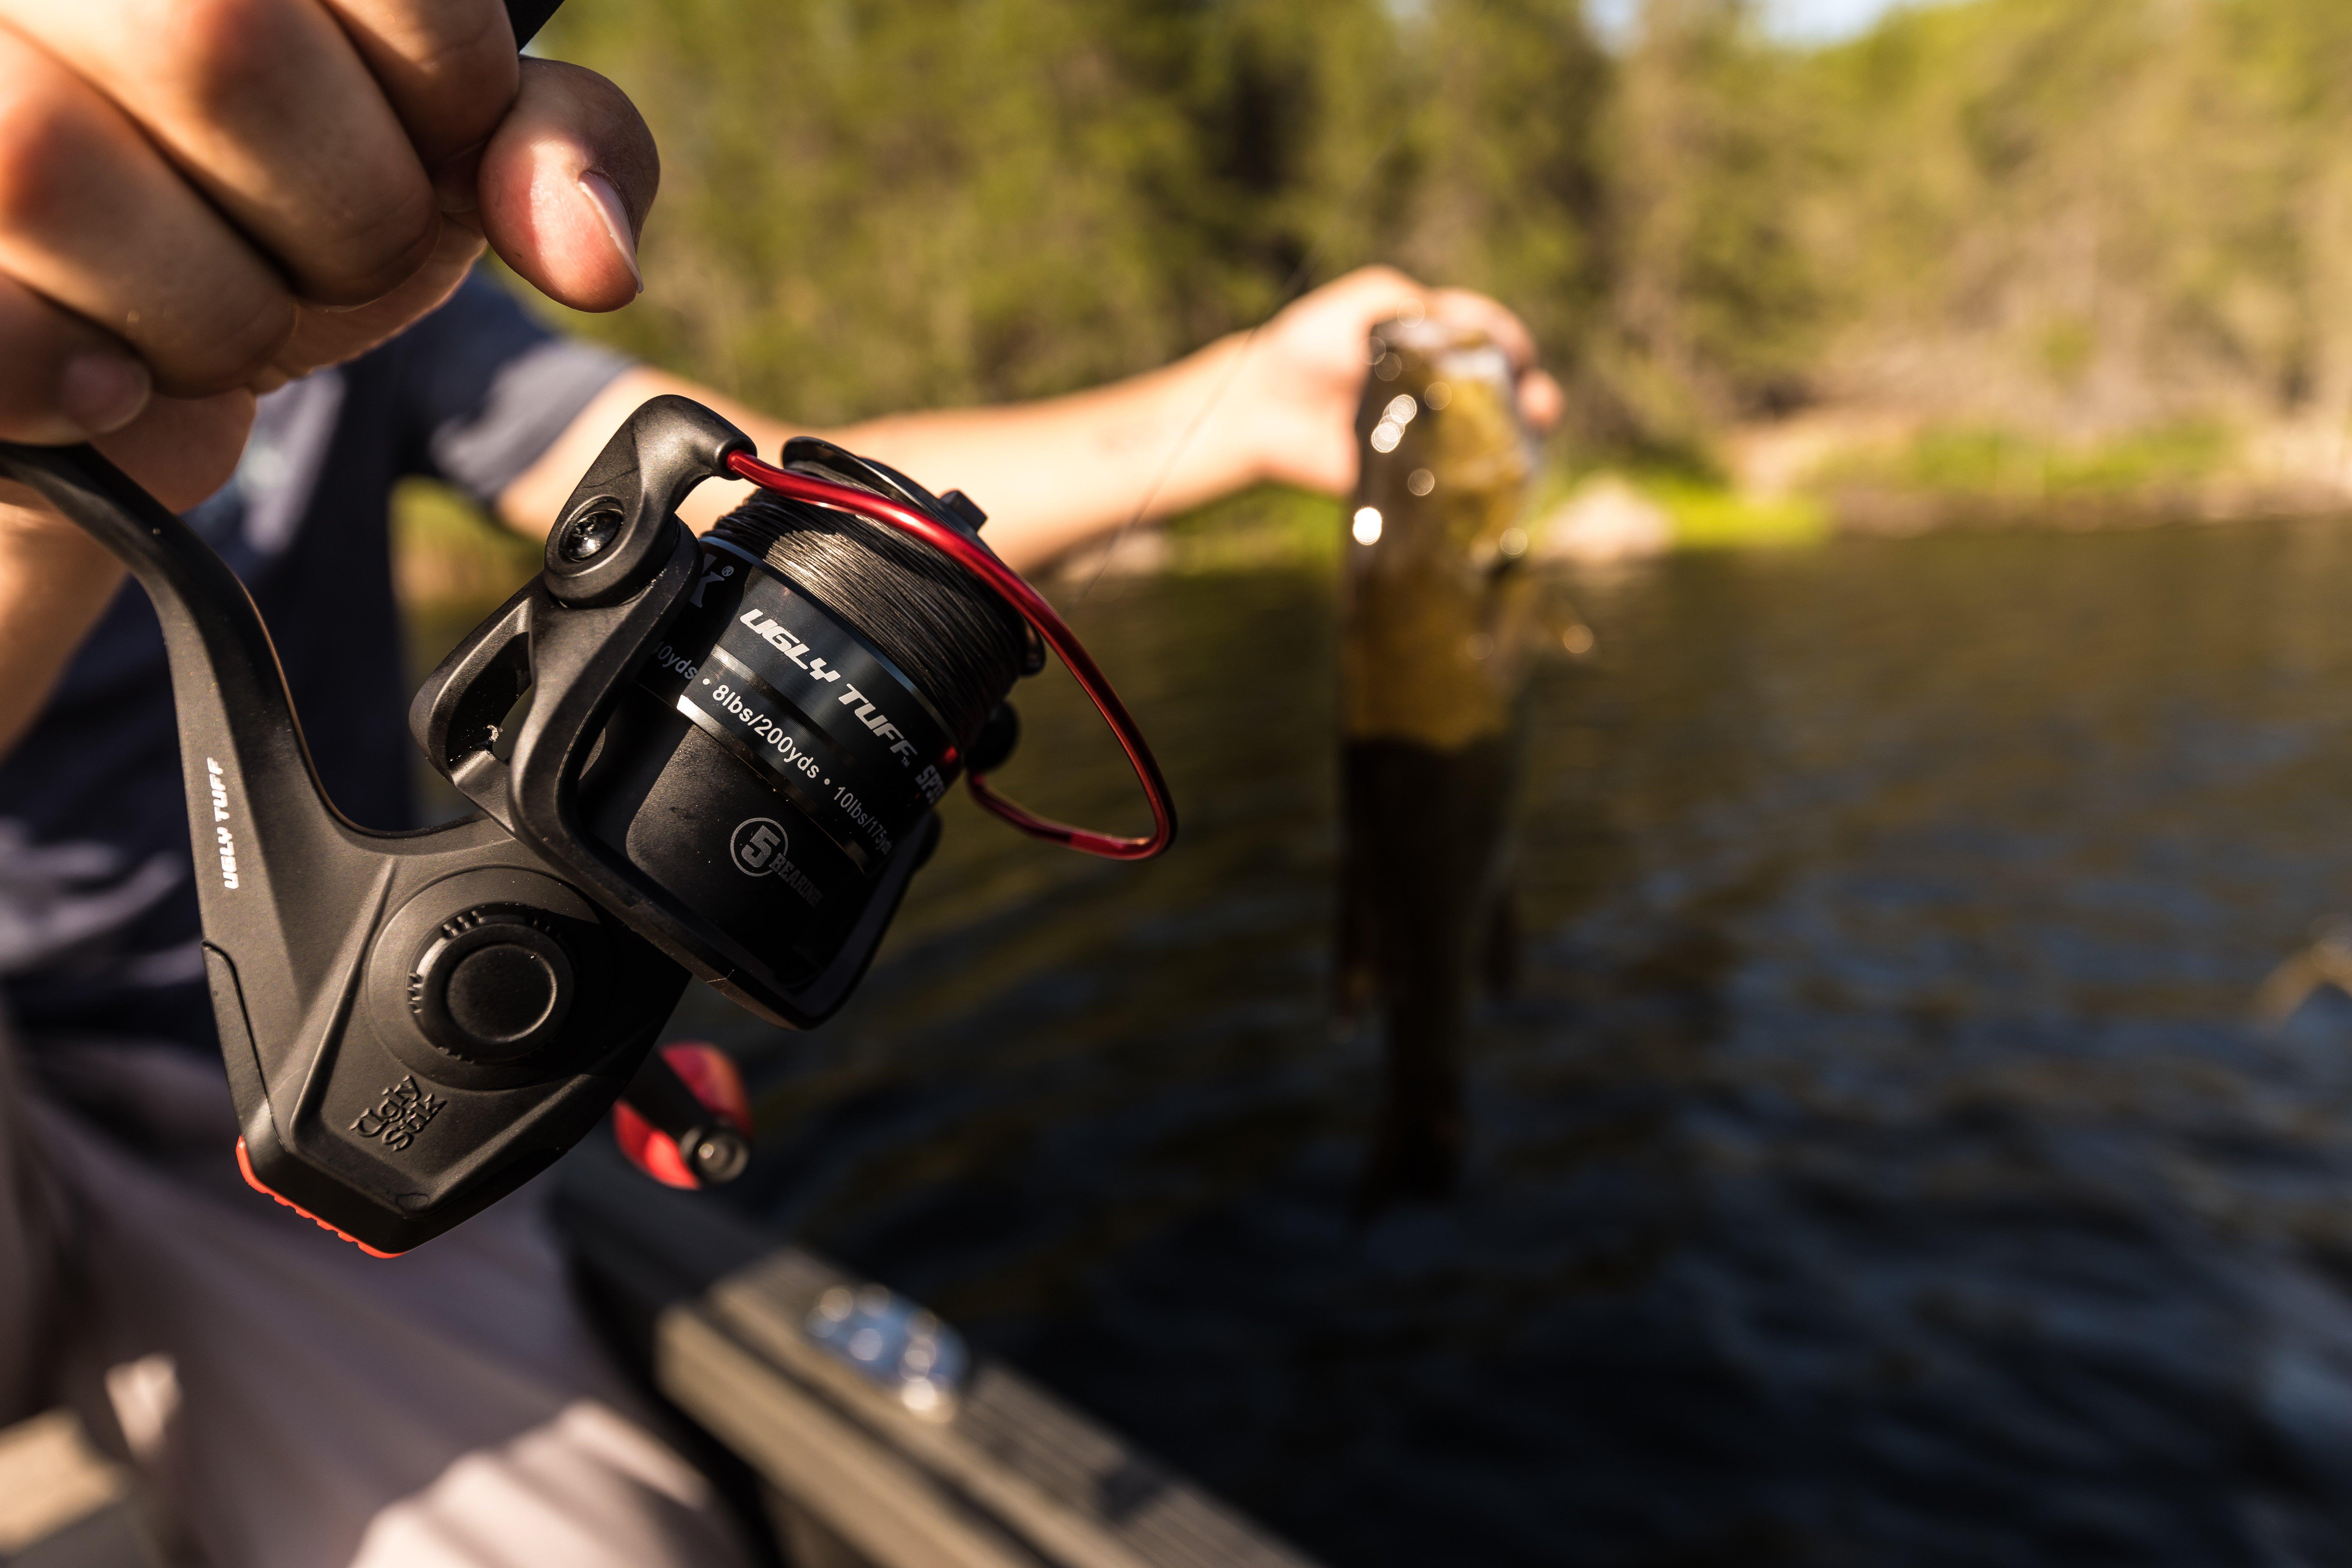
(400, 1113)
(874, 719)
(772, 632)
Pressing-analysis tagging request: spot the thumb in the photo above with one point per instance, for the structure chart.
(565, 184)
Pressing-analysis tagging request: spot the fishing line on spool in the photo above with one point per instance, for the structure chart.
(907, 598)
(960, 645)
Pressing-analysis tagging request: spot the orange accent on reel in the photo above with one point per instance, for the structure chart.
(244, 1164)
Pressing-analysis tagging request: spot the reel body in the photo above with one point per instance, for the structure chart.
(668, 780)
(641, 716)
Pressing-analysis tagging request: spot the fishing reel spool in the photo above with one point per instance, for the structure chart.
(684, 761)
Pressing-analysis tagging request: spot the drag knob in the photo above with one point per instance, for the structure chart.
(493, 984)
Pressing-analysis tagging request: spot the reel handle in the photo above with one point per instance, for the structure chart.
(690, 1094)
(364, 984)
(243, 760)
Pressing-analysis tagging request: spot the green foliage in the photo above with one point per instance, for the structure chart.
(871, 207)
(2090, 216)
(452, 553)
(1992, 463)
(1714, 517)
(1271, 526)
(2083, 218)
(1716, 310)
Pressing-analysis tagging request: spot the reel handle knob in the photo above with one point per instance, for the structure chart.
(685, 1120)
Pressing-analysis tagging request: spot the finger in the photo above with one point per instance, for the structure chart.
(1380, 293)
(66, 380)
(1541, 401)
(330, 337)
(566, 183)
(179, 449)
(1461, 308)
(268, 108)
(449, 70)
(93, 220)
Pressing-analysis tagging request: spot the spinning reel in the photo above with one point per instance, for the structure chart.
(684, 761)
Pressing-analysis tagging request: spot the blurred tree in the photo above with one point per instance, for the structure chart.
(2081, 215)
(1717, 306)
(869, 207)
(2090, 214)
(1500, 182)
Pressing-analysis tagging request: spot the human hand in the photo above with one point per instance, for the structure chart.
(201, 199)
(1297, 389)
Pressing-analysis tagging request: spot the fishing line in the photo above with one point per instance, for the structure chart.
(888, 505)
(961, 645)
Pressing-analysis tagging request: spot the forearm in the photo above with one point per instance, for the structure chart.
(1272, 404)
(1050, 474)
(1053, 474)
(55, 581)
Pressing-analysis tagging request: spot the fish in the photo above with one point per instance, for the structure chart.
(1439, 625)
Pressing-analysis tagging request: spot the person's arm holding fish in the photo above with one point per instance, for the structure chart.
(1274, 406)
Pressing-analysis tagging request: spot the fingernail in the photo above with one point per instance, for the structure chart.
(103, 391)
(615, 219)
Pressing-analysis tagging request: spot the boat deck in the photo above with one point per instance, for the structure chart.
(975, 1468)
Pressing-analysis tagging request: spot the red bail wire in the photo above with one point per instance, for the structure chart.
(1007, 584)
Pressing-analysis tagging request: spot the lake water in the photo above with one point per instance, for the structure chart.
(1876, 1165)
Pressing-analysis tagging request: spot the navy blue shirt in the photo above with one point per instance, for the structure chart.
(98, 908)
